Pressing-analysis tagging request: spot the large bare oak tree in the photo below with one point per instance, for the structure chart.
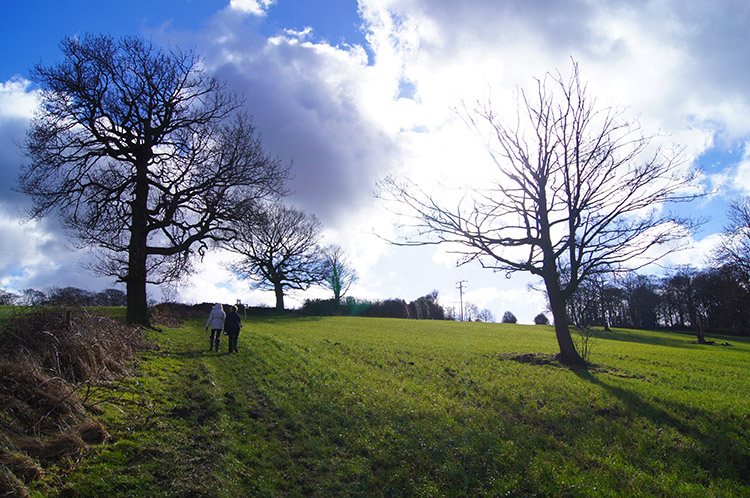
(144, 156)
(577, 191)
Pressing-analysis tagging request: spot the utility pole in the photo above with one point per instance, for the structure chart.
(460, 284)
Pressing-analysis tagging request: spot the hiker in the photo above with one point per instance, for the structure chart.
(216, 324)
(232, 326)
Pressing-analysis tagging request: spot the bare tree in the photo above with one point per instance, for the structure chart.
(111, 297)
(69, 296)
(734, 249)
(339, 275)
(144, 156)
(279, 249)
(486, 316)
(577, 192)
(8, 298)
(470, 312)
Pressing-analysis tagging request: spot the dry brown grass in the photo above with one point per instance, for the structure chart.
(48, 357)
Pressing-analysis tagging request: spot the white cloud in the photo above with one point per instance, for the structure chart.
(36, 255)
(697, 254)
(254, 7)
(741, 181)
(16, 101)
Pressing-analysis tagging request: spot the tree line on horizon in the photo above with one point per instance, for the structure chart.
(63, 296)
(710, 300)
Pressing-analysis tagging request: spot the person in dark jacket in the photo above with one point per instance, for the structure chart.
(232, 326)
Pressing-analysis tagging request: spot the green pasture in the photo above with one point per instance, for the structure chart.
(360, 407)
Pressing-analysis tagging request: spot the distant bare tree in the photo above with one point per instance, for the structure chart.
(33, 297)
(470, 312)
(144, 156)
(9, 298)
(279, 249)
(339, 275)
(486, 316)
(578, 192)
(111, 297)
(69, 296)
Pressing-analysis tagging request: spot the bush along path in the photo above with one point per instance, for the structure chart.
(380, 407)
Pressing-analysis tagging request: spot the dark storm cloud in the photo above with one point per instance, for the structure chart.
(303, 99)
(12, 134)
(717, 36)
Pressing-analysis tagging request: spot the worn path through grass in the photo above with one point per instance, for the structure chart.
(377, 407)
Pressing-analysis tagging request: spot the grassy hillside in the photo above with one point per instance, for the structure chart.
(378, 407)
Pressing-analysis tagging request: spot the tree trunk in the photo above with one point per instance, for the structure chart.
(279, 290)
(136, 299)
(699, 331)
(135, 282)
(701, 336)
(337, 295)
(568, 353)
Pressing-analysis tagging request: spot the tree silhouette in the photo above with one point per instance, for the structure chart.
(144, 156)
(279, 249)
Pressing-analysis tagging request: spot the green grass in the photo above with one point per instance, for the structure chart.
(8, 312)
(379, 407)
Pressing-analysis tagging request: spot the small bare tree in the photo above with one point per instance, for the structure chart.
(279, 249)
(577, 192)
(486, 316)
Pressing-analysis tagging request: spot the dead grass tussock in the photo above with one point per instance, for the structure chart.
(21, 465)
(85, 347)
(10, 485)
(47, 358)
(34, 402)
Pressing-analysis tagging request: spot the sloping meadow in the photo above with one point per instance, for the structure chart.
(386, 407)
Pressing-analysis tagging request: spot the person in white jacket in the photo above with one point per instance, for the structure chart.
(216, 324)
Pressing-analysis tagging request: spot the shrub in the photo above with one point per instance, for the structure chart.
(390, 308)
(509, 317)
(541, 319)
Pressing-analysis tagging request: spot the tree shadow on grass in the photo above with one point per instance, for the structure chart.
(654, 338)
(719, 440)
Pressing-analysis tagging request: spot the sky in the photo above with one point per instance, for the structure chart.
(353, 91)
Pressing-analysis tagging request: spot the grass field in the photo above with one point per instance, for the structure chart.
(379, 407)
